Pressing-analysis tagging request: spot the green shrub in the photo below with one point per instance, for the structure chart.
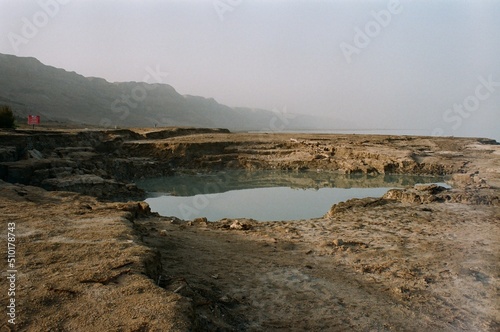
(6, 117)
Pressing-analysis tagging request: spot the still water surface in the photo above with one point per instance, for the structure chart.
(264, 195)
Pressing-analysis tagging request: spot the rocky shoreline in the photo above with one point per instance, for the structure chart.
(424, 253)
(104, 163)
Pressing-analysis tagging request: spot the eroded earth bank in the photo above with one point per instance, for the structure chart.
(90, 256)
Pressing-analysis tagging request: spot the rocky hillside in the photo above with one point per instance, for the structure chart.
(31, 87)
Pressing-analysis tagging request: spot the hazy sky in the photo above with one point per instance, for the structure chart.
(431, 65)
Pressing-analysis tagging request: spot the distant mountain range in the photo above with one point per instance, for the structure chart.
(31, 87)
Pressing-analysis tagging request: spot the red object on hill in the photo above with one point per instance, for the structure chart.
(33, 119)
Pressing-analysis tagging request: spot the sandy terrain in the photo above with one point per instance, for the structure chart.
(418, 259)
(391, 267)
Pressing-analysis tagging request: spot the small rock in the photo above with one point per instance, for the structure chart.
(225, 299)
(35, 154)
(163, 232)
(325, 244)
(236, 225)
(478, 180)
(239, 225)
(338, 242)
(200, 220)
(430, 188)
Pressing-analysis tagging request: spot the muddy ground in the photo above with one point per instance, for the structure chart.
(417, 259)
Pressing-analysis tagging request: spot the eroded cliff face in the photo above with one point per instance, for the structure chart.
(347, 154)
(103, 163)
(88, 162)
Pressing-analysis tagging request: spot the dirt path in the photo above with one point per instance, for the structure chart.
(363, 271)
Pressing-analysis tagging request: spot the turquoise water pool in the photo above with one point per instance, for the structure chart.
(264, 195)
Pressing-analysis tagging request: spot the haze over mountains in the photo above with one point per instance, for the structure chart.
(31, 87)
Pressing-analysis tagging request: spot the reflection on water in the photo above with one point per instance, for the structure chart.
(265, 195)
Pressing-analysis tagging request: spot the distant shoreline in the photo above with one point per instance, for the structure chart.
(398, 132)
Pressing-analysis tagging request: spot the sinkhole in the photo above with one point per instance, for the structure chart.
(265, 195)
